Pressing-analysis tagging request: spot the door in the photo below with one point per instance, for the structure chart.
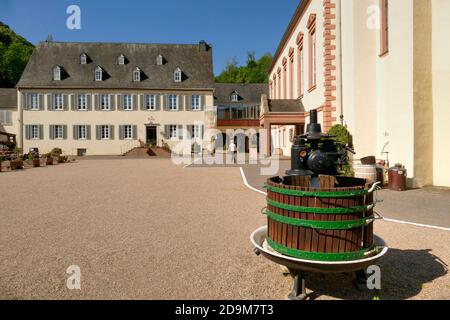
(151, 135)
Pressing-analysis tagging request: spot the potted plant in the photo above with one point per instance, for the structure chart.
(35, 159)
(62, 159)
(16, 164)
(57, 153)
(48, 159)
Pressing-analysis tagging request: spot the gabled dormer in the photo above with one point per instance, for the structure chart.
(137, 74)
(121, 60)
(83, 58)
(159, 60)
(177, 75)
(98, 73)
(57, 70)
(234, 96)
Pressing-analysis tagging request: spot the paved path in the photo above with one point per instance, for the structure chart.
(150, 230)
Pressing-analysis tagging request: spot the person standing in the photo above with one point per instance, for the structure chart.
(232, 148)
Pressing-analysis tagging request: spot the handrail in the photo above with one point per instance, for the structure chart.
(130, 145)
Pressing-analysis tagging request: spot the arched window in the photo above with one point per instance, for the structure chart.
(177, 75)
(98, 74)
(83, 58)
(137, 74)
(121, 60)
(57, 73)
(235, 96)
(159, 60)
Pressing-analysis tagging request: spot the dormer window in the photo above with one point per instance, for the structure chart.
(57, 73)
(121, 60)
(159, 60)
(137, 75)
(177, 75)
(83, 58)
(235, 97)
(98, 74)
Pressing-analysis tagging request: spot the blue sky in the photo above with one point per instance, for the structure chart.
(233, 27)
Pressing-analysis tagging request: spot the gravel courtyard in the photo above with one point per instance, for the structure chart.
(146, 229)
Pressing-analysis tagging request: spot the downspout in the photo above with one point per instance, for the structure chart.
(341, 85)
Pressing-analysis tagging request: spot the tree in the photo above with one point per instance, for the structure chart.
(15, 52)
(255, 71)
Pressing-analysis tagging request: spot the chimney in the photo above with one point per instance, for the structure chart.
(203, 46)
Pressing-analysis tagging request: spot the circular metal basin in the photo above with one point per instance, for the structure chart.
(258, 239)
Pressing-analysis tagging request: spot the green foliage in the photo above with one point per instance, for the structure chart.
(341, 133)
(256, 71)
(15, 52)
(56, 152)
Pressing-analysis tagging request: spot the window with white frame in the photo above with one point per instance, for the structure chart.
(197, 131)
(82, 132)
(195, 102)
(83, 58)
(82, 102)
(137, 75)
(173, 102)
(34, 132)
(128, 102)
(98, 74)
(58, 132)
(104, 132)
(128, 132)
(151, 102)
(6, 117)
(121, 60)
(57, 73)
(34, 101)
(173, 131)
(58, 102)
(235, 97)
(105, 102)
(177, 75)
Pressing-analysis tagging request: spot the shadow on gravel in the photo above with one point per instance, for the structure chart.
(404, 273)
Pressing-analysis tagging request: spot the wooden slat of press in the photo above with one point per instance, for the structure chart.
(272, 223)
(343, 233)
(274, 210)
(278, 224)
(284, 227)
(295, 230)
(332, 204)
(301, 201)
(370, 226)
(322, 203)
(269, 221)
(290, 231)
(337, 233)
(306, 232)
(359, 231)
(352, 235)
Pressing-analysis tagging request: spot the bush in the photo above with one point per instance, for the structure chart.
(56, 152)
(341, 133)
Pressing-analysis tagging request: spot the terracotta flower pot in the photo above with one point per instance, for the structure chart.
(36, 163)
(16, 165)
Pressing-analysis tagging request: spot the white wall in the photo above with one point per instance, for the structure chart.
(441, 91)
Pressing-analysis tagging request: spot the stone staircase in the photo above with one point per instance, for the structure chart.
(142, 152)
